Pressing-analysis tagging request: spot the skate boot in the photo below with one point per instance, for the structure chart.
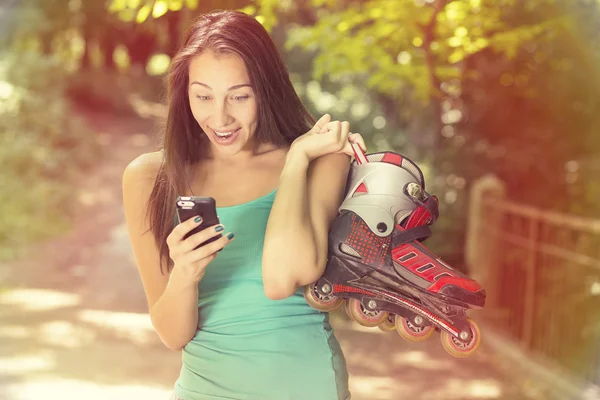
(379, 267)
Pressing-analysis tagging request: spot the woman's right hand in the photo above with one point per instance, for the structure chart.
(190, 263)
(326, 137)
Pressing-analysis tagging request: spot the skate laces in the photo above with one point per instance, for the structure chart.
(359, 154)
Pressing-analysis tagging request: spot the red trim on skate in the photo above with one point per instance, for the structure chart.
(418, 217)
(337, 288)
(401, 251)
(431, 268)
(392, 158)
(412, 306)
(467, 284)
(362, 188)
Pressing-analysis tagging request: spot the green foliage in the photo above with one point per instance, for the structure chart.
(467, 78)
(141, 10)
(44, 147)
(393, 45)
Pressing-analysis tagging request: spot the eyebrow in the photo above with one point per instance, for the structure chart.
(231, 88)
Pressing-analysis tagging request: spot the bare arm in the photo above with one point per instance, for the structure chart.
(172, 299)
(309, 193)
(295, 251)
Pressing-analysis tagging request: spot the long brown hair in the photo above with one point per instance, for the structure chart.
(281, 115)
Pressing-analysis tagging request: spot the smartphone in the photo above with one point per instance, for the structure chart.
(193, 206)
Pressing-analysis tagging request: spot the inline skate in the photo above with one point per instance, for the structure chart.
(379, 267)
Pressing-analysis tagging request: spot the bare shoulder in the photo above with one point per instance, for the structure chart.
(138, 181)
(143, 168)
(140, 175)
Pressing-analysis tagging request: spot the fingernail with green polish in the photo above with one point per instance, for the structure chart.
(197, 219)
(219, 228)
(230, 236)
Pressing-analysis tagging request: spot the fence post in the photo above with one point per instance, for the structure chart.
(480, 244)
(528, 308)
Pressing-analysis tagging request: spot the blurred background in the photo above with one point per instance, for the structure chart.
(497, 101)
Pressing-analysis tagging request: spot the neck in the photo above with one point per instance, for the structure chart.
(241, 158)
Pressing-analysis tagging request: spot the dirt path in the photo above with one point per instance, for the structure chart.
(73, 323)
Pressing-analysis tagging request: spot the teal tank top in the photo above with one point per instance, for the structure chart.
(248, 346)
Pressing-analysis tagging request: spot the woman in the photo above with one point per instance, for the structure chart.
(236, 131)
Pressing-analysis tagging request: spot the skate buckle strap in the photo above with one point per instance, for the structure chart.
(404, 236)
(421, 216)
(432, 206)
(426, 212)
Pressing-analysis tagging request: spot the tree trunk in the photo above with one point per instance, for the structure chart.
(173, 23)
(108, 47)
(140, 48)
(433, 142)
(85, 63)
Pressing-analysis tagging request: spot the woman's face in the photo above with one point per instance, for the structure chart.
(222, 100)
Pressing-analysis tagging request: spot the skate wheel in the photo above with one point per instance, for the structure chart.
(363, 316)
(412, 332)
(458, 348)
(389, 324)
(320, 302)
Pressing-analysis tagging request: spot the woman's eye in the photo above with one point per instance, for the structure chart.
(236, 98)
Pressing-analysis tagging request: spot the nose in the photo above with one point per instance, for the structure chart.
(221, 116)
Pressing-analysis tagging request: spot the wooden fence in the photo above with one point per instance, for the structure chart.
(541, 271)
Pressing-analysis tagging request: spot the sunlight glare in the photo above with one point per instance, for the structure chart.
(6, 90)
(374, 387)
(65, 334)
(28, 363)
(69, 389)
(135, 326)
(421, 360)
(14, 332)
(379, 122)
(38, 299)
(471, 389)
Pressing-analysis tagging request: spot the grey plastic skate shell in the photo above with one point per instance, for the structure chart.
(385, 201)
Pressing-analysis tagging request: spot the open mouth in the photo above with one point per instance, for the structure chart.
(225, 137)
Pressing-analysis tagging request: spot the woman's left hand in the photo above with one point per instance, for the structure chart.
(328, 137)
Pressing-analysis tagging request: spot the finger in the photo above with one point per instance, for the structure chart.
(321, 123)
(199, 263)
(354, 139)
(347, 149)
(210, 248)
(357, 138)
(327, 127)
(344, 131)
(196, 239)
(334, 127)
(182, 229)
